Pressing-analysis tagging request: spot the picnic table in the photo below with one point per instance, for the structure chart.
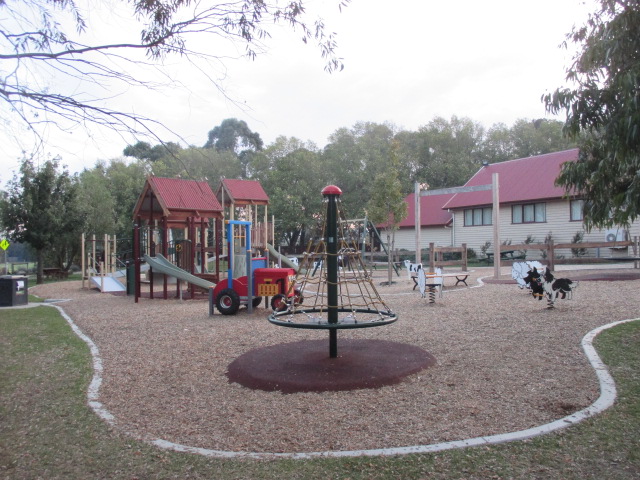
(504, 255)
(56, 273)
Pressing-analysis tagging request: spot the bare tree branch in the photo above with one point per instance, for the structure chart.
(49, 76)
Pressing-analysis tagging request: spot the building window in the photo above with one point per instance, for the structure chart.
(477, 216)
(577, 209)
(529, 213)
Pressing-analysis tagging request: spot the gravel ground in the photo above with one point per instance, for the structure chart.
(504, 363)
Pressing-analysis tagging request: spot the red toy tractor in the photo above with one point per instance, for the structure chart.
(277, 283)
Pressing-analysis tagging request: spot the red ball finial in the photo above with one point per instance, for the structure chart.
(331, 190)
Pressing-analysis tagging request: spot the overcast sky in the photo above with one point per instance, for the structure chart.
(406, 62)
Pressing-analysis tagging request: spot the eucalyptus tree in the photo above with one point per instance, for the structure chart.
(293, 177)
(41, 209)
(108, 193)
(602, 108)
(525, 138)
(353, 158)
(537, 137)
(387, 207)
(448, 151)
(235, 136)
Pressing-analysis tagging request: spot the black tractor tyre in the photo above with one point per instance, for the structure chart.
(228, 302)
(279, 303)
(256, 302)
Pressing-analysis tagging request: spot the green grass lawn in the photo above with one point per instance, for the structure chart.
(48, 432)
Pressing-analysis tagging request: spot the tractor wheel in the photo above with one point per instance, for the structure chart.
(256, 302)
(279, 303)
(228, 302)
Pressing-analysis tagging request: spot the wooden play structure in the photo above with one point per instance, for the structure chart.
(179, 234)
(177, 231)
(100, 263)
(246, 200)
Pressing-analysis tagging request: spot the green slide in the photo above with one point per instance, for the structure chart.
(282, 258)
(161, 265)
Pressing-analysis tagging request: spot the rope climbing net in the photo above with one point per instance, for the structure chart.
(358, 302)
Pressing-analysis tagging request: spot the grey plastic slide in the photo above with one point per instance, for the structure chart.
(161, 265)
(283, 259)
(107, 284)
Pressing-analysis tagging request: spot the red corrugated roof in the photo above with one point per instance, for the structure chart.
(522, 180)
(431, 212)
(179, 194)
(176, 198)
(244, 191)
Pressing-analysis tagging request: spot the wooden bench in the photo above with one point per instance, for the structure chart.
(461, 277)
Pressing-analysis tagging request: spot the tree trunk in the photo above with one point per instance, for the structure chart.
(389, 259)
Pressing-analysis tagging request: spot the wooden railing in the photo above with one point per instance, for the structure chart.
(551, 247)
(436, 256)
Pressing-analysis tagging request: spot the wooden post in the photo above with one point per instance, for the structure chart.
(496, 225)
(418, 225)
(93, 255)
(551, 255)
(82, 262)
(464, 257)
(432, 257)
(636, 252)
(107, 254)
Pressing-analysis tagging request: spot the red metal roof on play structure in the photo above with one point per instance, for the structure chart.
(244, 191)
(522, 180)
(179, 194)
(431, 212)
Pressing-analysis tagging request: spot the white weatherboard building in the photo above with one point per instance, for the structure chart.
(530, 205)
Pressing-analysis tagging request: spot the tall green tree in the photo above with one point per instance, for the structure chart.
(293, 181)
(603, 112)
(41, 209)
(353, 158)
(524, 138)
(387, 206)
(235, 136)
(448, 151)
(108, 193)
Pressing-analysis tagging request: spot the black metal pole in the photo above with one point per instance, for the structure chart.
(332, 193)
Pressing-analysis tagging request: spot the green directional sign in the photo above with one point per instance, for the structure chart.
(4, 244)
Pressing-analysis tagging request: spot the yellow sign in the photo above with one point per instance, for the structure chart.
(4, 244)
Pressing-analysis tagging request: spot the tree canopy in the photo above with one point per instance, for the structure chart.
(603, 113)
(41, 209)
(374, 164)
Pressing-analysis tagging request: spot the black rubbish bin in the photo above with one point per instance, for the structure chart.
(131, 278)
(14, 290)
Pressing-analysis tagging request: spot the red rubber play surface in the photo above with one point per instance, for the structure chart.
(305, 366)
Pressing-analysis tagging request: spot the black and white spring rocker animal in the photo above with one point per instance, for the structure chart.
(533, 280)
(520, 272)
(546, 285)
(554, 287)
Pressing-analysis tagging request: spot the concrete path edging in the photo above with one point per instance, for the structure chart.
(605, 400)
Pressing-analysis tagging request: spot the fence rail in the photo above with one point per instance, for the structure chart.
(550, 248)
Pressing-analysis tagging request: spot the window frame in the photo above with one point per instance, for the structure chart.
(571, 210)
(523, 213)
(478, 217)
